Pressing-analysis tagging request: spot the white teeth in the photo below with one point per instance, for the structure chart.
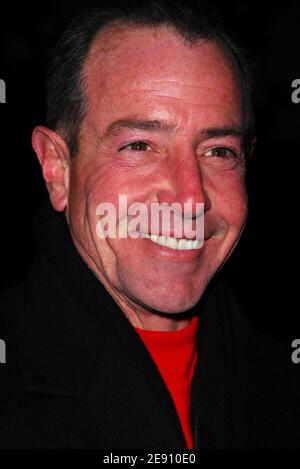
(173, 243)
(182, 244)
(190, 244)
(162, 240)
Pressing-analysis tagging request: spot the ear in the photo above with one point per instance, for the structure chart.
(54, 157)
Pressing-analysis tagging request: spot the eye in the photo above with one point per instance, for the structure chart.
(136, 146)
(221, 152)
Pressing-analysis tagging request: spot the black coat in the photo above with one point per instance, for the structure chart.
(78, 376)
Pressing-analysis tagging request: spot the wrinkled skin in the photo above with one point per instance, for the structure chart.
(146, 74)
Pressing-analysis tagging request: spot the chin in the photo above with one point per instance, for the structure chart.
(169, 294)
(170, 303)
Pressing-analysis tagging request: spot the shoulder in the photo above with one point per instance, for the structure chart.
(258, 346)
(50, 354)
(263, 361)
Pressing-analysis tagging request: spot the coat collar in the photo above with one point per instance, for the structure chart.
(76, 342)
(73, 339)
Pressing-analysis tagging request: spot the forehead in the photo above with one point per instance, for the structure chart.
(127, 66)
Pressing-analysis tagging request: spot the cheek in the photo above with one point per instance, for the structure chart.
(97, 191)
(106, 182)
(236, 206)
(229, 198)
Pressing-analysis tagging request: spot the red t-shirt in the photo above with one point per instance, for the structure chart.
(175, 355)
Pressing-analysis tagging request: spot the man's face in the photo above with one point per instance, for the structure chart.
(192, 153)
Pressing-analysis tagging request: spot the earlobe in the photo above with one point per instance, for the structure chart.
(54, 158)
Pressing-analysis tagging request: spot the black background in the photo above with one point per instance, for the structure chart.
(264, 268)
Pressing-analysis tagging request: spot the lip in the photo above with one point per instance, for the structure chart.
(177, 255)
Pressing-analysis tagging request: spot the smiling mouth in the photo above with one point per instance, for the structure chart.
(174, 243)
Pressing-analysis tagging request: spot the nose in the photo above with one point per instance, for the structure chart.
(185, 182)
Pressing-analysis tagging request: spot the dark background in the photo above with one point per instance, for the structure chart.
(264, 268)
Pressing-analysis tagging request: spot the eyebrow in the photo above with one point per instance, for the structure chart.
(229, 131)
(160, 125)
(139, 124)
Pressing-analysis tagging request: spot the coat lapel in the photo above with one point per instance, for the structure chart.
(102, 361)
(76, 343)
(126, 406)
